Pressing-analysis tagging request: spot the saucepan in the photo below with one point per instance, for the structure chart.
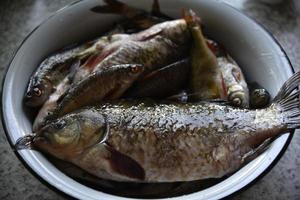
(255, 50)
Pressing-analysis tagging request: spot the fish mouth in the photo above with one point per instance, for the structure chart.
(36, 101)
(30, 141)
(32, 101)
(36, 95)
(237, 96)
(25, 142)
(237, 99)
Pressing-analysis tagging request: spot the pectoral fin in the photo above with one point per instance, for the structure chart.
(124, 165)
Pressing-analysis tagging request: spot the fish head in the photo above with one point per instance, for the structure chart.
(259, 98)
(37, 92)
(237, 96)
(71, 134)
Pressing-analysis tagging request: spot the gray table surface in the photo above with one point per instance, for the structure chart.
(18, 18)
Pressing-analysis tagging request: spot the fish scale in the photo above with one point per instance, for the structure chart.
(166, 138)
(136, 117)
(146, 141)
(153, 53)
(155, 47)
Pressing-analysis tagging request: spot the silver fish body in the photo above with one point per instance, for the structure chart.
(184, 144)
(159, 142)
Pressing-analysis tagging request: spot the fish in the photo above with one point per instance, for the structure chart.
(136, 18)
(153, 53)
(155, 47)
(109, 84)
(161, 83)
(259, 96)
(50, 105)
(156, 142)
(53, 69)
(49, 74)
(140, 18)
(206, 79)
(236, 86)
(56, 67)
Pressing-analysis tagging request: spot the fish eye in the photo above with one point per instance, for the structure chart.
(60, 124)
(29, 94)
(37, 92)
(258, 93)
(237, 102)
(135, 69)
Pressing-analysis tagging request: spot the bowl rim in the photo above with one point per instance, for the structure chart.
(68, 196)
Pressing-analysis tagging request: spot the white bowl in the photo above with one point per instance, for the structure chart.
(259, 55)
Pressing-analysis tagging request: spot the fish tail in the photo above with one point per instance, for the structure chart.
(155, 11)
(288, 98)
(116, 7)
(191, 18)
(155, 8)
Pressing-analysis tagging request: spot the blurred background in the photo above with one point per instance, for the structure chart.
(280, 17)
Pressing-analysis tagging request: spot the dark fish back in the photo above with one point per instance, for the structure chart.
(163, 82)
(152, 54)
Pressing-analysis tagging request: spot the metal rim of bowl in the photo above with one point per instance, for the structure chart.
(247, 186)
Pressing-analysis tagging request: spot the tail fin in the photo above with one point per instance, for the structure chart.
(155, 11)
(288, 98)
(116, 7)
(191, 18)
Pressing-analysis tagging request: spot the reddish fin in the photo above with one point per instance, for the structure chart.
(93, 60)
(148, 76)
(89, 62)
(224, 88)
(213, 46)
(125, 165)
(148, 34)
(73, 68)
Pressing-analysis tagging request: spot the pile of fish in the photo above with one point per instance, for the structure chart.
(153, 100)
